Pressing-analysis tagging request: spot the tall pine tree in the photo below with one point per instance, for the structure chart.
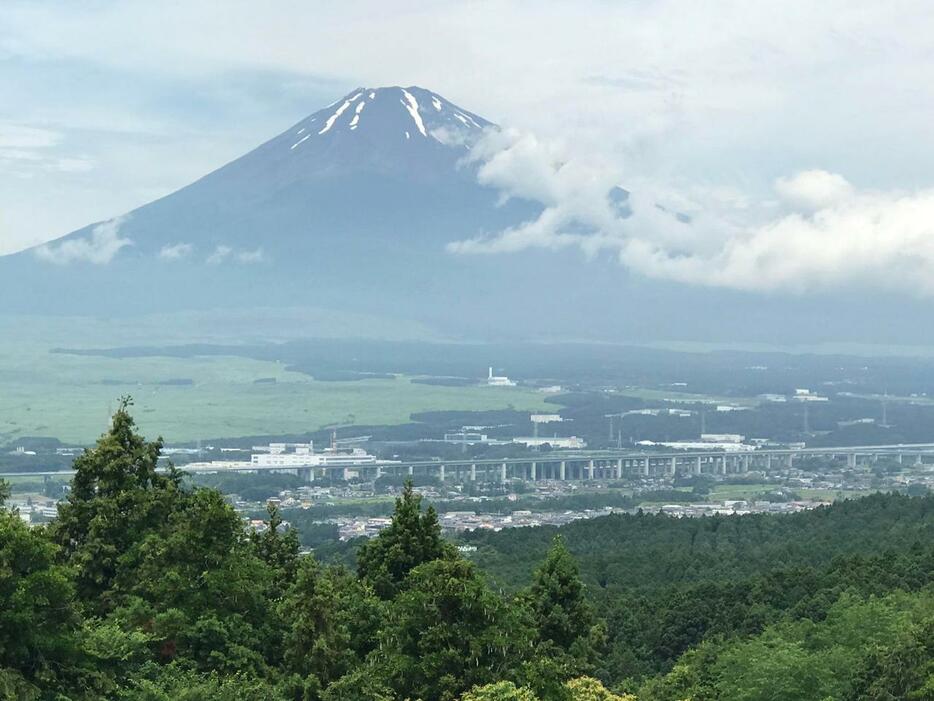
(117, 498)
(556, 598)
(412, 539)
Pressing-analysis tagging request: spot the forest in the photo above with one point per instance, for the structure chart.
(148, 587)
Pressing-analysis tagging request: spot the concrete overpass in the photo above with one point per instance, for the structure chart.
(589, 465)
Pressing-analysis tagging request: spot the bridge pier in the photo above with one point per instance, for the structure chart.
(563, 472)
(473, 472)
(697, 465)
(502, 473)
(441, 473)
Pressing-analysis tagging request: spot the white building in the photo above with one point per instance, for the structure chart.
(467, 437)
(303, 455)
(290, 456)
(499, 380)
(572, 442)
(545, 418)
(642, 412)
(806, 395)
(722, 438)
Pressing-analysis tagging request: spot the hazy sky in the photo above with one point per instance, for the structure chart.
(781, 125)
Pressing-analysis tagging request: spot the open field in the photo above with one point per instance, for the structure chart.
(722, 492)
(185, 399)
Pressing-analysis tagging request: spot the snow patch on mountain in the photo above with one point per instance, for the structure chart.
(340, 110)
(301, 141)
(356, 117)
(411, 104)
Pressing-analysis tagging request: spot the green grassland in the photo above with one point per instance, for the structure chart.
(70, 397)
(722, 492)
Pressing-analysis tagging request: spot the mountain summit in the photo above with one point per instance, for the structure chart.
(406, 131)
(379, 119)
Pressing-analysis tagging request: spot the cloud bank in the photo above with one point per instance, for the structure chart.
(818, 232)
(99, 248)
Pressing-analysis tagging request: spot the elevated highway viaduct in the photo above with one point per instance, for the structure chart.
(586, 465)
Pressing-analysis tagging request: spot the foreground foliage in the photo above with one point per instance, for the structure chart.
(145, 588)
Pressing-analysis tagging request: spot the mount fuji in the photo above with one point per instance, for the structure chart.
(349, 209)
(352, 210)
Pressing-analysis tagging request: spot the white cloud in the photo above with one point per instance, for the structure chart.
(574, 194)
(811, 190)
(99, 248)
(72, 165)
(24, 145)
(176, 251)
(870, 239)
(224, 253)
(23, 136)
(255, 256)
(220, 254)
(26, 150)
(827, 233)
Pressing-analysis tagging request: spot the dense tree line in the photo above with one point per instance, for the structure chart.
(666, 585)
(644, 551)
(146, 587)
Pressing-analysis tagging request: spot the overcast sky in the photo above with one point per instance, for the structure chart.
(811, 117)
